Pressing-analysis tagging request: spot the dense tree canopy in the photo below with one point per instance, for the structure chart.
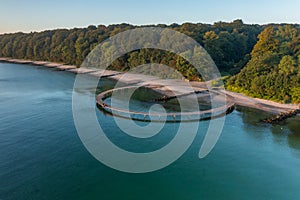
(261, 61)
(273, 72)
(227, 43)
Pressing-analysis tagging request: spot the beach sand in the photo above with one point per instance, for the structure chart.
(239, 99)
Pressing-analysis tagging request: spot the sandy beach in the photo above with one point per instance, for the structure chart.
(239, 99)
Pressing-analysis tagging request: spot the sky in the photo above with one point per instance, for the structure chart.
(37, 15)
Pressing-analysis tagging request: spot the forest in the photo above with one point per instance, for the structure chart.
(227, 43)
(257, 60)
(273, 72)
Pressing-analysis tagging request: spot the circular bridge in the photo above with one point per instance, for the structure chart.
(226, 108)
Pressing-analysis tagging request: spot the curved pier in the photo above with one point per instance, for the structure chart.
(227, 108)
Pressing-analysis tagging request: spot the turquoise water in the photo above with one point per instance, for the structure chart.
(42, 156)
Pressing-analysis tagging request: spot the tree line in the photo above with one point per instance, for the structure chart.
(227, 43)
(273, 72)
(259, 60)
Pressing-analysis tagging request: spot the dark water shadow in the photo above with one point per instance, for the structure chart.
(284, 133)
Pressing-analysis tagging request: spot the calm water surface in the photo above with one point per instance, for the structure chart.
(42, 156)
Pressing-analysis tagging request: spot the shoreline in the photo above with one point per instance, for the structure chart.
(144, 80)
(261, 104)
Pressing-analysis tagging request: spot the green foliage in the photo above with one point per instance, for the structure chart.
(295, 93)
(264, 59)
(273, 70)
(228, 44)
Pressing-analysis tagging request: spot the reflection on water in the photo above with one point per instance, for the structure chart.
(288, 132)
(252, 116)
(42, 156)
(293, 125)
(284, 133)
